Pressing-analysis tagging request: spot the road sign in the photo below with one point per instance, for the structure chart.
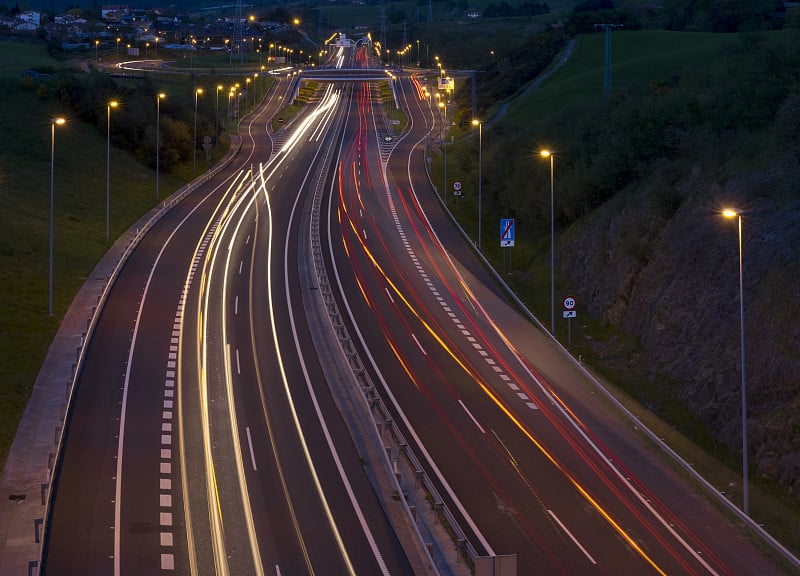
(506, 232)
(457, 188)
(568, 303)
(570, 314)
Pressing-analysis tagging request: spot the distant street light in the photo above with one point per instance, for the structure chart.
(194, 148)
(96, 48)
(112, 104)
(53, 122)
(550, 155)
(734, 213)
(479, 124)
(158, 138)
(117, 49)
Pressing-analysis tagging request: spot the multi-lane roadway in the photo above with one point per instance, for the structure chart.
(204, 436)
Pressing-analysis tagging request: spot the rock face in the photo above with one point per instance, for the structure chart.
(670, 279)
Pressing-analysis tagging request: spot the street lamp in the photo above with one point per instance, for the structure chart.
(117, 50)
(216, 129)
(53, 122)
(734, 213)
(549, 154)
(158, 138)
(112, 104)
(442, 107)
(247, 92)
(96, 48)
(479, 124)
(194, 149)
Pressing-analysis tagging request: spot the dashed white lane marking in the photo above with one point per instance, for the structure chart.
(471, 416)
(500, 371)
(238, 365)
(414, 336)
(250, 444)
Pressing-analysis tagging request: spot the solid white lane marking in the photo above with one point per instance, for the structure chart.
(575, 540)
(471, 416)
(250, 443)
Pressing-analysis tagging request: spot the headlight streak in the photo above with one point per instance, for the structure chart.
(322, 126)
(569, 416)
(293, 410)
(198, 252)
(248, 512)
(329, 102)
(268, 421)
(212, 494)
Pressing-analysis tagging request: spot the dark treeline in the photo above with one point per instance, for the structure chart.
(133, 122)
(652, 133)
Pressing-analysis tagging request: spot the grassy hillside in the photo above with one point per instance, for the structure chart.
(79, 239)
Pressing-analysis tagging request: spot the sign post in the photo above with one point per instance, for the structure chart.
(568, 304)
(507, 234)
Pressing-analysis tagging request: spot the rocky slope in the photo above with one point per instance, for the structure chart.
(661, 263)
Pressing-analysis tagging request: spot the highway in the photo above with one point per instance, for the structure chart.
(205, 436)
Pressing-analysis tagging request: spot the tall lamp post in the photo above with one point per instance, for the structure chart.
(194, 148)
(550, 155)
(734, 213)
(479, 124)
(112, 104)
(53, 122)
(216, 129)
(158, 137)
(442, 107)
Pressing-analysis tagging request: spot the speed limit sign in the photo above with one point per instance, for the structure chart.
(568, 303)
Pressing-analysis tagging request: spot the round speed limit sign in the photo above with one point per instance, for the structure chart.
(568, 303)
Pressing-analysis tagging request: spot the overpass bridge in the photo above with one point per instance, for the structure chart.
(342, 75)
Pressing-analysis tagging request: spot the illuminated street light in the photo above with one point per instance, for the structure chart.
(479, 124)
(734, 213)
(53, 122)
(158, 138)
(549, 154)
(112, 104)
(194, 149)
(216, 129)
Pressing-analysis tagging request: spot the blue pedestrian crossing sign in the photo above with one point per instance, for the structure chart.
(506, 232)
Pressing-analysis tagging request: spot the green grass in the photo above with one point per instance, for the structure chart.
(638, 57)
(79, 240)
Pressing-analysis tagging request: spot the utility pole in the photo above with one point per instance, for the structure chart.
(607, 73)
